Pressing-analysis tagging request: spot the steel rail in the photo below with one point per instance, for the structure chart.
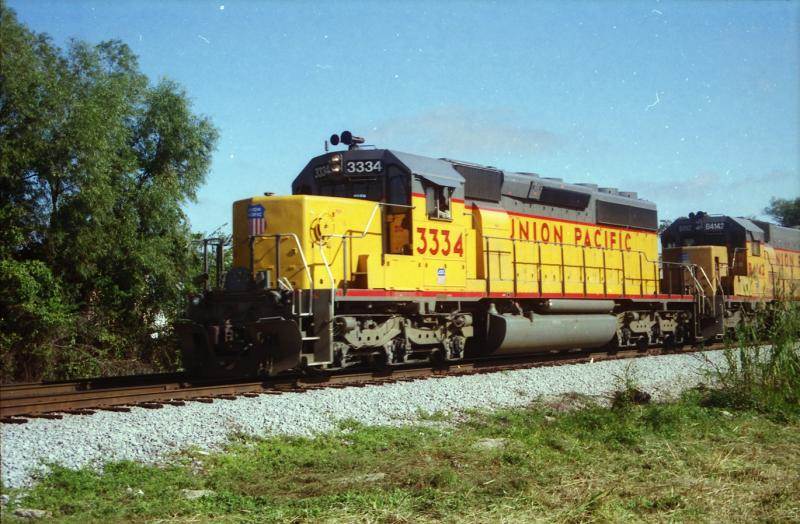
(29, 389)
(32, 400)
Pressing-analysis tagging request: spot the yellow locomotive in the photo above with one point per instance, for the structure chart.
(737, 266)
(386, 257)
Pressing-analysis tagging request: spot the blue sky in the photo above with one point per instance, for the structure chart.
(693, 105)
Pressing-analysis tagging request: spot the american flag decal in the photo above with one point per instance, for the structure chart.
(255, 220)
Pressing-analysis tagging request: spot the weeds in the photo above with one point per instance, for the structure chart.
(657, 462)
(762, 373)
(628, 392)
(436, 416)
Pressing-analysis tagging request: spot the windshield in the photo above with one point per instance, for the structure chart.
(371, 189)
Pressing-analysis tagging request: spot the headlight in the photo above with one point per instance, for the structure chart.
(335, 164)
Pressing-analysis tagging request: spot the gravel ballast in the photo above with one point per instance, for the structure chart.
(150, 436)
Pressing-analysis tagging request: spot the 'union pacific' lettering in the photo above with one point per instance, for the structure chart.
(538, 231)
(786, 259)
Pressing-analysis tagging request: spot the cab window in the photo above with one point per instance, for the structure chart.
(755, 248)
(438, 201)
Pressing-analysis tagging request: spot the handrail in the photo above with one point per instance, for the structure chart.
(301, 252)
(705, 276)
(688, 268)
(659, 264)
(772, 272)
(279, 236)
(330, 273)
(777, 277)
(219, 248)
(542, 242)
(780, 276)
(345, 237)
(377, 206)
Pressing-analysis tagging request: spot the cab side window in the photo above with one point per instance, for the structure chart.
(438, 200)
(755, 248)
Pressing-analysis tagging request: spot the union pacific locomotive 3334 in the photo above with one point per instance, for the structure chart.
(381, 257)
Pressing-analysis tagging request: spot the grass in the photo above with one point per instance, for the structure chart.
(683, 461)
(722, 455)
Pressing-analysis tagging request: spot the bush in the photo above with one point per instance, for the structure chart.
(32, 304)
(762, 369)
(95, 248)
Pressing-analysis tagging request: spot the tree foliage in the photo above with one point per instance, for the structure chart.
(96, 162)
(786, 212)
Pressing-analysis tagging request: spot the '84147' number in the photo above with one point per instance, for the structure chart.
(439, 242)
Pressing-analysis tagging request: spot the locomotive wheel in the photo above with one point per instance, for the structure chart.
(672, 343)
(437, 358)
(380, 360)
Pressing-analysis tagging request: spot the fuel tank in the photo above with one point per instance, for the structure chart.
(533, 333)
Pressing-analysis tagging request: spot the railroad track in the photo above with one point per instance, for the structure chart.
(20, 402)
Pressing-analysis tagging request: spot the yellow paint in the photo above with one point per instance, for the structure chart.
(711, 273)
(292, 217)
(768, 273)
(742, 272)
(480, 250)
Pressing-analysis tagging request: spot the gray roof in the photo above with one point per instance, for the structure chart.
(523, 192)
(755, 232)
(780, 236)
(438, 171)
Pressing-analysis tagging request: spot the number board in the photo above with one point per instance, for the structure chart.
(322, 171)
(363, 167)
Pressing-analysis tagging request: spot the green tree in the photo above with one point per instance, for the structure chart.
(95, 165)
(786, 212)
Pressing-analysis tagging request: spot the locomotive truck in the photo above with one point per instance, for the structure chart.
(384, 258)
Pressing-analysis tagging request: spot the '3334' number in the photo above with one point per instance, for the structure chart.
(363, 166)
(438, 242)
